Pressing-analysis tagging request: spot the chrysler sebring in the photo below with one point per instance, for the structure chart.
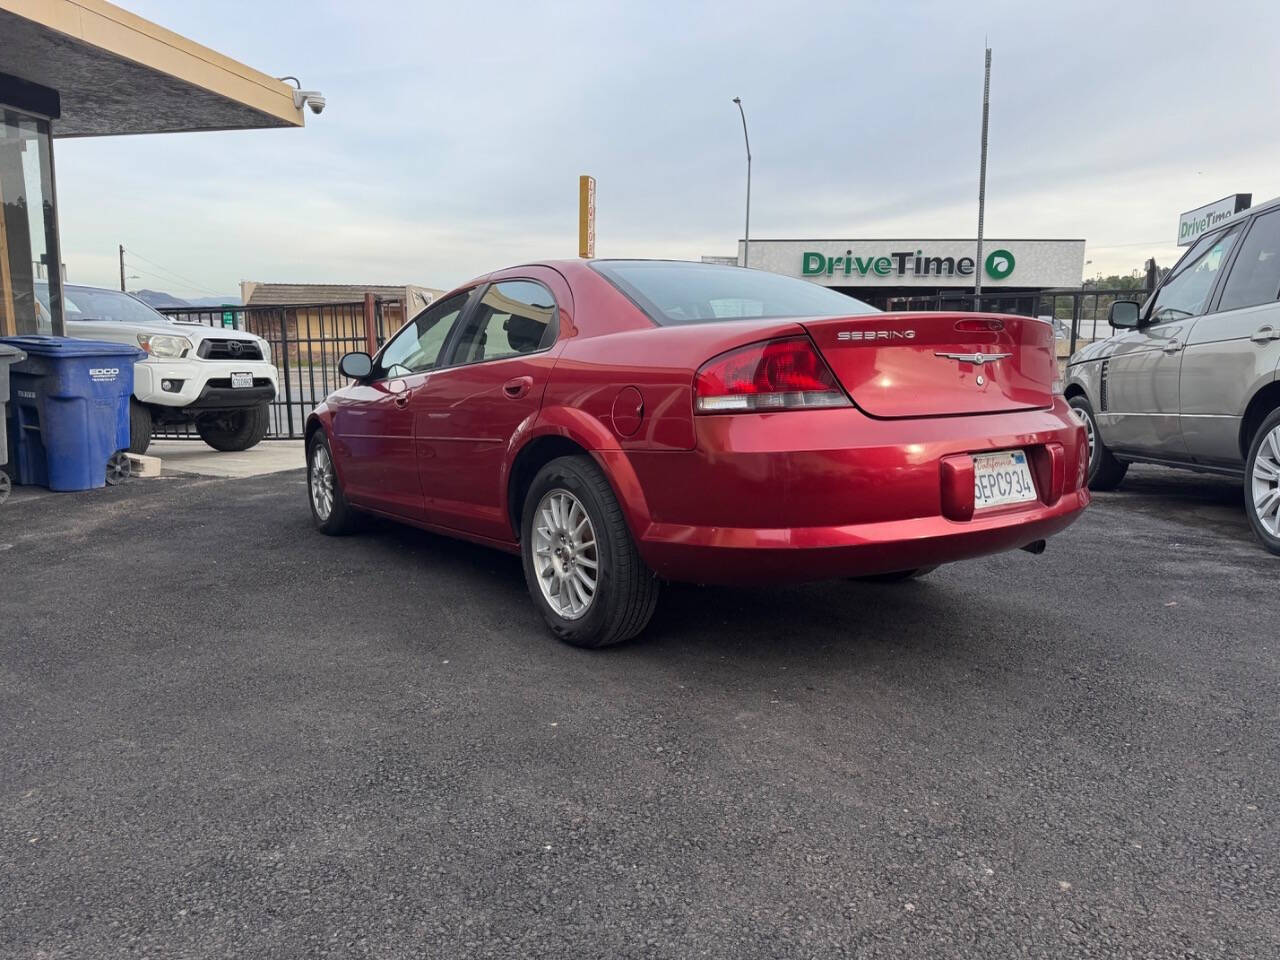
(619, 423)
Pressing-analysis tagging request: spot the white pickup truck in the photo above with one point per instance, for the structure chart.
(221, 380)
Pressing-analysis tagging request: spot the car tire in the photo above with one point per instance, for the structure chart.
(235, 429)
(140, 426)
(557, 553)
(897, 576)
(1105, 471)
(330, 511)
(1262, 483)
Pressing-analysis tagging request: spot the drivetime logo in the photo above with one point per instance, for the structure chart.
(902, 263)
(103, 374)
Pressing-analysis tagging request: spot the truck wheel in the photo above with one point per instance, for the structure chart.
(235, 429)
(1262, 483)
(140, 426)
(583, 571)
(1105, 471)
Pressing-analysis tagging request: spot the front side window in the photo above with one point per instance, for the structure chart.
(416, 348)
(1255, 278)
(1187, 290)
(676, 292)
(513, 317)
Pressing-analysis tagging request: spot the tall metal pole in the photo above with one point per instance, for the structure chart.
(122, 290)
(746, 243)
(982, 185)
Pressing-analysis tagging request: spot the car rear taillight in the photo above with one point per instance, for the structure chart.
(776, 375)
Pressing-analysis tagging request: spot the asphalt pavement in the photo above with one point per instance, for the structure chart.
(228, 736)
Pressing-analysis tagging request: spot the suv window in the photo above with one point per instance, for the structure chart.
(1187, 290)
(513, 317)
(1255, 278)
(417, 347)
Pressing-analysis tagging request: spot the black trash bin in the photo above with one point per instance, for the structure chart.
(8, 356)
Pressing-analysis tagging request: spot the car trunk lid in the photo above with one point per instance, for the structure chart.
(938, 364)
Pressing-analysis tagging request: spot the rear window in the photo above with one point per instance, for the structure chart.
(674, 292)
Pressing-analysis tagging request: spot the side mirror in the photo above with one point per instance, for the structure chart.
(356, 366)
(1123, 314)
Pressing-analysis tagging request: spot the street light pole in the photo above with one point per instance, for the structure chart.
(746, 243)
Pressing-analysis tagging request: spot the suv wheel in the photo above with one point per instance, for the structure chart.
(140, 426)
(1105, 471)
(235, 429)
(1262, 483)
(580, 563)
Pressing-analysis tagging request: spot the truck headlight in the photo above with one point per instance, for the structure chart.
(162, 345)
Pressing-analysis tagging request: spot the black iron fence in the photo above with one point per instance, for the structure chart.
(307, 340)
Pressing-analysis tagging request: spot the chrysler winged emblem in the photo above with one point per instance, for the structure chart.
(978, 358)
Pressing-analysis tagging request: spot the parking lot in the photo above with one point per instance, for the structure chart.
(227, 734)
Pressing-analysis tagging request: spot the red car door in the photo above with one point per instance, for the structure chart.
(497, 370)
(373, 421)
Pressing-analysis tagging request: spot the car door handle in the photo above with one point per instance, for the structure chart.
(1265, 335)
(402, 399)
(517, 388)
(1173, 346)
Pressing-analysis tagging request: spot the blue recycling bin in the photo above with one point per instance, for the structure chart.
(68, 409)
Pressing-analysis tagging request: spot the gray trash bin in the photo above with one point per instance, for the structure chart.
(8, 356)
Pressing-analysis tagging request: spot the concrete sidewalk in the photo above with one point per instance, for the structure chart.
(195, 457)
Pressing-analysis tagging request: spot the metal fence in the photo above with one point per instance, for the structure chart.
(307, 340)
(1080, 314)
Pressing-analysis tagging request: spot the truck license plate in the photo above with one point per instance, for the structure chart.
(239, 380)
(1001, 478)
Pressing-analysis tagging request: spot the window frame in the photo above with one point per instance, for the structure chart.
(1240, 227)
(378, 375)
(451, 345)
(1248, 227)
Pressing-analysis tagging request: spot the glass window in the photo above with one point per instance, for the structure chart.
(513, 317)
(28, 243)
(417, 347)
(1187, 289)
(674, 292)
(1255, 278)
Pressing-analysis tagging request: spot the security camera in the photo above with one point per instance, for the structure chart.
(309, 98)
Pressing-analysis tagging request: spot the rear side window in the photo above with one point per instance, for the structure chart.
(674, 292)
(512, 318)
(1255, 278)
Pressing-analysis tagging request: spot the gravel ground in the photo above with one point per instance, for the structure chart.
(228, 736)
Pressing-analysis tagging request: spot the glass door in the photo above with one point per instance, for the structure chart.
(28, 226)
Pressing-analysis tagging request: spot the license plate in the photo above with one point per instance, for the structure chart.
(1001, 478)
(239, 380)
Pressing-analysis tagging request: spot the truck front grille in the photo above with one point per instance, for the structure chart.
(229, 350)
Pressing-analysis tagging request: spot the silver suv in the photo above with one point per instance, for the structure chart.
(1189, 379)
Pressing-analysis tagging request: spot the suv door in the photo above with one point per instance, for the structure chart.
(373, 419)
(1142, 410)
(498, 366)
(1234, 350)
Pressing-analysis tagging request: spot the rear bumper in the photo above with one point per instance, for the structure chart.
(813, 495)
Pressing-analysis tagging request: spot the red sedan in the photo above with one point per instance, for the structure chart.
(623, 422)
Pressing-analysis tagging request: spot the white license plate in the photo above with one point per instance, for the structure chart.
(1001, 478)
(239, 380)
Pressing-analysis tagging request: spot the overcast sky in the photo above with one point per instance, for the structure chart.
(455, 133)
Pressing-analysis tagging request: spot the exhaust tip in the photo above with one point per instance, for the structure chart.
(1036, 547)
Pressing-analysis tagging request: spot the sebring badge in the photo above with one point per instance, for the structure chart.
(869, 335)
(978, 358)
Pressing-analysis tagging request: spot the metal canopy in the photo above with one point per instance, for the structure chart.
(116, 73)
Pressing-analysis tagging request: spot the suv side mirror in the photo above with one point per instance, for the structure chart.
(356, 366)
(1123, 314)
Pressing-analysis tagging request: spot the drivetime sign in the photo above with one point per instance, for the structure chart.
(1195, 222)
(905, 263)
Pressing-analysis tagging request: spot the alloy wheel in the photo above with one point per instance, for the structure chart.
(322, 480)
(566, 555)
(1265, 483)
(1089, 431)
